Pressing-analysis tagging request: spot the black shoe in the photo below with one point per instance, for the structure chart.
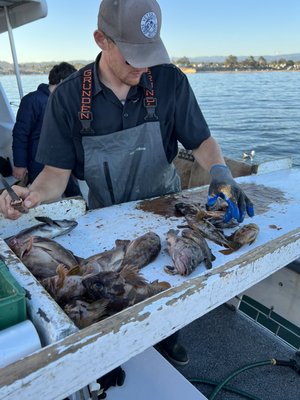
(175, 353)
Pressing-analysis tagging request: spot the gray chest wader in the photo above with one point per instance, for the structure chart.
(127, 165)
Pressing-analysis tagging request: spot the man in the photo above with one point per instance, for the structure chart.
(27, 129)
(116, 124)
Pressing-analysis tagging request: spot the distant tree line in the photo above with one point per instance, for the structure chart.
(232, 63)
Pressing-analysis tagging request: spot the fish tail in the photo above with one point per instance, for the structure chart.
(226, 251)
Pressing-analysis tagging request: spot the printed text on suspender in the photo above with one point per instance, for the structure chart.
(85, 114)
(150, 102)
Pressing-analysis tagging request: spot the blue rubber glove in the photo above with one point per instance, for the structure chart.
(223, 185)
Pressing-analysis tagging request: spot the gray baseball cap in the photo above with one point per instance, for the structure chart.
(134, 25)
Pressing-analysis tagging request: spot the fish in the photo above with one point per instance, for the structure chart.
(42, 255)
(66, 285)
(142, 251)
(109, 260)
(199, 240)
(214, 215)
(187, 252)
(84, 314)
(48, 228)
(208, 230)
(246, 234)
(138, 252)
(121, 289)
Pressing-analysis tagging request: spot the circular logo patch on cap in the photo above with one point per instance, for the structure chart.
(149, 25)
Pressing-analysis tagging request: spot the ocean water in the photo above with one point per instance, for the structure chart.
(257, 111)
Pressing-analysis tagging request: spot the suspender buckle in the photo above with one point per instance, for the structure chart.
(150, 103)
(86, 118)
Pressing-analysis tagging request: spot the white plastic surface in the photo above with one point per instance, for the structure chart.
(17, 342)
(150, 376)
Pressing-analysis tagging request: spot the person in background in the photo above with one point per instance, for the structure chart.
(122, 118)
(27, 129)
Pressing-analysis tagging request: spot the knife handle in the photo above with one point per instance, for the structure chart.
(19, 206)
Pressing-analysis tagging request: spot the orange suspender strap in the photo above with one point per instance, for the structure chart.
(150, 102)
(85, 114)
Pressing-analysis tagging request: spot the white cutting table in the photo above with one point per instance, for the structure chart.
(66, 365)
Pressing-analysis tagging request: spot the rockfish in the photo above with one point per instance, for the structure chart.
(143, 250)
(138, 252)
(201, 242)
(84, 314)
(246, 234)
(187, 252)
(207, 230)
(48, 228)
(109, 260)
(65, 286)
(42, 255)
(121, 289)
(214, 216)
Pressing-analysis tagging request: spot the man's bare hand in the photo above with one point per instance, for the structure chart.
(31, 199)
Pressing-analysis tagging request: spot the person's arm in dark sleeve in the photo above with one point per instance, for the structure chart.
(25, 121)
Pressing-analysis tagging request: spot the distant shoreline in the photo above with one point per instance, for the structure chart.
(186, 72)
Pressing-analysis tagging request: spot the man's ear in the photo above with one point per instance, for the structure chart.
(101, 40)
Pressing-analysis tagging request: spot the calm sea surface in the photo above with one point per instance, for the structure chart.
(245, 111)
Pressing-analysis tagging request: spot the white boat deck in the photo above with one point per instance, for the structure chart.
(80, 358)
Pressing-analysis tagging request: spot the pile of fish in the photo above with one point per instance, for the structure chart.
(92, 288)
(190, 249)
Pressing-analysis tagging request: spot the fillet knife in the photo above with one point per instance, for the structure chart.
(16, 201)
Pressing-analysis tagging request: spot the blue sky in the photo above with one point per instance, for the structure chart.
(190, 28)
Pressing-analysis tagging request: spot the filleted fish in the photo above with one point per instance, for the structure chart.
(197, 212)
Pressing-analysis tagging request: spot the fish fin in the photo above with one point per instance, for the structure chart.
(61, 271)
(28, 246)
(163, 285)
(171, 270)
(45, 220)
(132, 275)
(226, 251)
(122, 242)
(200, 215)
(75, 270)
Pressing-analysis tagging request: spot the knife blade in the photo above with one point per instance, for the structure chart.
(16, 201)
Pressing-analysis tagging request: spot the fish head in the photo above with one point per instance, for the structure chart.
(104, 285)
(21, 247)
(246, 234)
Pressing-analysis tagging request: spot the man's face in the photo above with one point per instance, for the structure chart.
(127, 74)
